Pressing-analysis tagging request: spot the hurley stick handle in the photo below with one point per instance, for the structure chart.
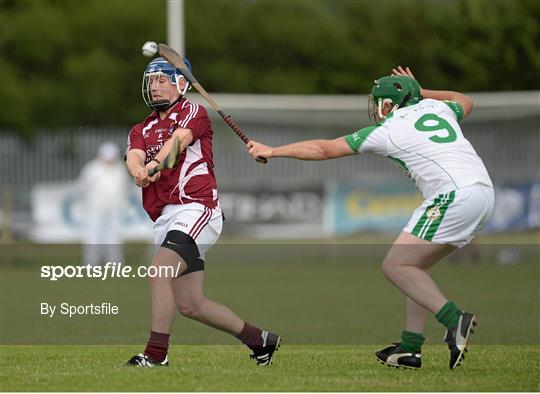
(232, 124)
(154, 170)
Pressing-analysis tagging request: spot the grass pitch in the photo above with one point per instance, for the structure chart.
(296, 368)
(330, 303)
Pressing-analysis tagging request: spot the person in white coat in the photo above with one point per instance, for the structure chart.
(103, 184)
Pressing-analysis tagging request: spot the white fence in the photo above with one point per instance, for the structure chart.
(504, 128)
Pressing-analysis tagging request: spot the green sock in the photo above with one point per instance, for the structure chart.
(412, 341)
(448, 315)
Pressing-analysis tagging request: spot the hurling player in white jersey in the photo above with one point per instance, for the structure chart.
(419, 130)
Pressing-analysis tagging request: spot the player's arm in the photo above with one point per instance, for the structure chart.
(135, 159)
(185, 136)
(303, 150)
(446, 95)
(197, 126)
(443, 95)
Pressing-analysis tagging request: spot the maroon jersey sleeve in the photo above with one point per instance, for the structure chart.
(135, 139)
(198, 122)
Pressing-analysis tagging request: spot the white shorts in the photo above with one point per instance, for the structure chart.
(454, 217)
(201, 223)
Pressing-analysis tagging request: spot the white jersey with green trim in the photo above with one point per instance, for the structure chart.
(426, 141)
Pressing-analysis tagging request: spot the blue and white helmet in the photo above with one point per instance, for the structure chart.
(159, 67)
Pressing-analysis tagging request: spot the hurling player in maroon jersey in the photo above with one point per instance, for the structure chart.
(183, 203)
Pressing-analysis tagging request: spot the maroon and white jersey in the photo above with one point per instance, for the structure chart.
(193, 180)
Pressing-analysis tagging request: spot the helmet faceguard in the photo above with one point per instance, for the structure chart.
(157, 68)
(397, 90)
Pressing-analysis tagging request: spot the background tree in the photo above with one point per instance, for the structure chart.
(78, 64)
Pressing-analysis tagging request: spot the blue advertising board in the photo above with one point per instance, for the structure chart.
(372, 207)
(387, 207)
(517, 208)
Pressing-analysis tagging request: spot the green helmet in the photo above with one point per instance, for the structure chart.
(402, 91)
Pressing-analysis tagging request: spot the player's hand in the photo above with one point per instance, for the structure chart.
(256, 149)
(405, 72)
(149, 166)
(141, 177)
(402, 72)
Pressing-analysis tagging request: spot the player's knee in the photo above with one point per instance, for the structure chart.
(389, 268)
(190, 308)
(185, 246)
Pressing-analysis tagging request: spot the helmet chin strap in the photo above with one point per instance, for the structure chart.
(174, 102)
(163, 105)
